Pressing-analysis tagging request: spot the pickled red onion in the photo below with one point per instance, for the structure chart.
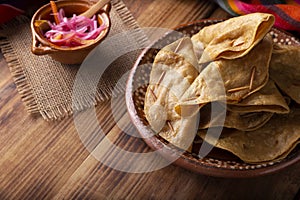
(74, 31)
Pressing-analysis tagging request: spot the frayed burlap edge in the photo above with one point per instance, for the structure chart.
(19, 76)
(62, 110)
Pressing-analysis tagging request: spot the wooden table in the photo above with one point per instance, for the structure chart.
(46, 160)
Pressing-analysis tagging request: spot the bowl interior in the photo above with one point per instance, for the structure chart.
(70, 7)
(75, 7)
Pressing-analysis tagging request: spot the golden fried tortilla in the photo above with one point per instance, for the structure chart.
(231, 80)
(175, 67)
(267, 99)
(214, 115)
(285, 70)
(272, 142)
(232, 38)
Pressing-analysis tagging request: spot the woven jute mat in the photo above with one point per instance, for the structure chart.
(45, 85)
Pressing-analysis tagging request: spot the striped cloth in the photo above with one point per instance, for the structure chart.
(286, 12)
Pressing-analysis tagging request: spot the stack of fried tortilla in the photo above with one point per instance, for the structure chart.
(228, 75)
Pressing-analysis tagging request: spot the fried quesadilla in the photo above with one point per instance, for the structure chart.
(247, 115)
(285, 70)
(267, 99)
(271, 142)
(231, 80)
(232, 38)
(220, 78)
(212, 115)
(174, 69)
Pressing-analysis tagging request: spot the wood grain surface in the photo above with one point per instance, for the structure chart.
(48, 160)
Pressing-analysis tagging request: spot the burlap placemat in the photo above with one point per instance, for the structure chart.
(45, 85)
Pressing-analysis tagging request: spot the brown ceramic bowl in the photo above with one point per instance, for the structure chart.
(219, 163)
(66, 55)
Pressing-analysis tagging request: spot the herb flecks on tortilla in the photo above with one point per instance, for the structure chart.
(230, 80)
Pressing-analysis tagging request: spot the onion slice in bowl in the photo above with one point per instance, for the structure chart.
(74, 31)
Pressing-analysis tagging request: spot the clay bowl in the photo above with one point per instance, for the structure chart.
(67, 55)
(218, 163)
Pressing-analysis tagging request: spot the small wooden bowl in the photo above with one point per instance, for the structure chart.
(66, 55)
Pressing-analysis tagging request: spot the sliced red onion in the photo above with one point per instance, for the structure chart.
(74, 31)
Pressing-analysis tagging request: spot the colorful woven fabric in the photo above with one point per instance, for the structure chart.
(286, 12)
